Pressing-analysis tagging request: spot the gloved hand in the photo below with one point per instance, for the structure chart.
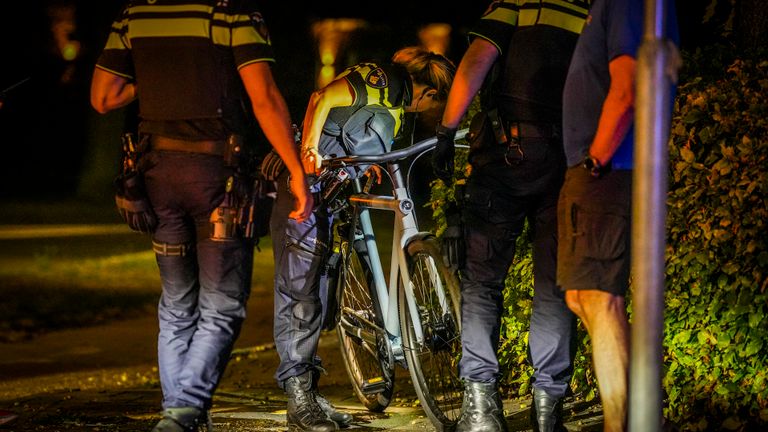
(442, 156)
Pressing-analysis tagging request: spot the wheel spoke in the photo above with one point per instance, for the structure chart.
(360, 333)
(433, 358)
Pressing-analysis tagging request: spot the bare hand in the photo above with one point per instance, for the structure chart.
(304, 202)
(312, 161)
(375, 172)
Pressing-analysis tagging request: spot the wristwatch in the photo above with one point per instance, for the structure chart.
(595, 168)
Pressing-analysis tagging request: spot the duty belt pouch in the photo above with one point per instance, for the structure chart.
(130, 193)
(223, 222)
(233, 150)
(260, 209)
(486, 133)
(272, 166)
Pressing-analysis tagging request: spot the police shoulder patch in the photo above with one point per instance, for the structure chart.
(377, 78)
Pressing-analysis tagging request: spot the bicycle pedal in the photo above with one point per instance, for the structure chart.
(373, 386)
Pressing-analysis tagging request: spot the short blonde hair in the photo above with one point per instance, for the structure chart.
(427, 68)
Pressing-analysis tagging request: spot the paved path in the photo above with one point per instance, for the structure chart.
(104, 378)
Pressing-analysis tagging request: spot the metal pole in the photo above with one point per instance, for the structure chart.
(649, 195)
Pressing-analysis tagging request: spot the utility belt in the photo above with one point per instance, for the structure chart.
(246, 205)
(230, 149)
(211, 147)
(494, 139)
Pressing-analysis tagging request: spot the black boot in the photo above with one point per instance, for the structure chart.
(547, 412)
(184, 419)
(482, 410)
(342, 418)
(304, 413)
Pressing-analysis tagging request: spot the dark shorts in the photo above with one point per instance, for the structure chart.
(593, 224)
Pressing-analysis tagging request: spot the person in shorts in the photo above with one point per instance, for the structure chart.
(594, 219)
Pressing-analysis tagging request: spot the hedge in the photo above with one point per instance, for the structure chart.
(715, 373)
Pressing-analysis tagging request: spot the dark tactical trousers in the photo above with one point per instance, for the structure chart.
(300, 254)
(204, 295)
(498, 200)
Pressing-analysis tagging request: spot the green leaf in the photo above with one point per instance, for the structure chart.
(687, 154)
(732, 423)
(693, 116)
(753, 347)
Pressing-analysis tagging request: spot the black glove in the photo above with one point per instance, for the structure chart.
(442, 156)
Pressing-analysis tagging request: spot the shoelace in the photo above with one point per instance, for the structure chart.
(307, 399)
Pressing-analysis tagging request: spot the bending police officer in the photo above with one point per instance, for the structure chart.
(360, 112)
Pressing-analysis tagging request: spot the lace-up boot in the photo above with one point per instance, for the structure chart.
(547, 413)
(481, 410)
(342, 418)
(184, 419)
(304, 413)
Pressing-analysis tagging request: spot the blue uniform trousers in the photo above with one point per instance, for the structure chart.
(498, 200)
(202, 305)
(300, 252)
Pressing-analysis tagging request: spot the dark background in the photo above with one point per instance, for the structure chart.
(54, 146)
(51, 137)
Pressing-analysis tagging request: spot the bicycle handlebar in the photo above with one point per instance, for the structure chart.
(416, 148)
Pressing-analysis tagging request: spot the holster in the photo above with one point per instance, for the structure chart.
(131, 197)
(486, 133)
(453, 247)
(246, 207)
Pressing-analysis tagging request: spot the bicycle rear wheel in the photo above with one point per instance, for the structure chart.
(432, 335)
(364, 344)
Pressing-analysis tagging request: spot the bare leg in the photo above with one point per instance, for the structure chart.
(605, 317)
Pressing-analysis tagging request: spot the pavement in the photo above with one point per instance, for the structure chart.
(127, 398)
(104, 378)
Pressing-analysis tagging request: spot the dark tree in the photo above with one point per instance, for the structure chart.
(751, 24)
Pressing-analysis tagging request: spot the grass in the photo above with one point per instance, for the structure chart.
(55, 283)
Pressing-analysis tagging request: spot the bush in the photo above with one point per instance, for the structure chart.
(716, 343)
(717, 261)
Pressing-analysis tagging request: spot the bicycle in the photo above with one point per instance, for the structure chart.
(413, 319)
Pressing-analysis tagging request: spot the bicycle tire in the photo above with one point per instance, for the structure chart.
(364, 363)
(433, 361)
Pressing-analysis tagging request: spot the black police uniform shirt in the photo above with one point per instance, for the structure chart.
(185, 57)
(536, 40)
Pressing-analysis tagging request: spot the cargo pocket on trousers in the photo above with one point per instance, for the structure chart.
(599, 233)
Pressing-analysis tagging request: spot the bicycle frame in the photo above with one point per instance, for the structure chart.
(405, 230)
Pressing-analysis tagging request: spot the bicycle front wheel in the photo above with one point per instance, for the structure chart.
(430, 319)
(364, 343)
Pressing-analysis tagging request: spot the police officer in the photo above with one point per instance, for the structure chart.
(517, 169)
(360, 112)
(187, 63)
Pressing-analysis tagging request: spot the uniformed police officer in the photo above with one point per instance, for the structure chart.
(360, 112)
(190, 60)
(517, 171)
